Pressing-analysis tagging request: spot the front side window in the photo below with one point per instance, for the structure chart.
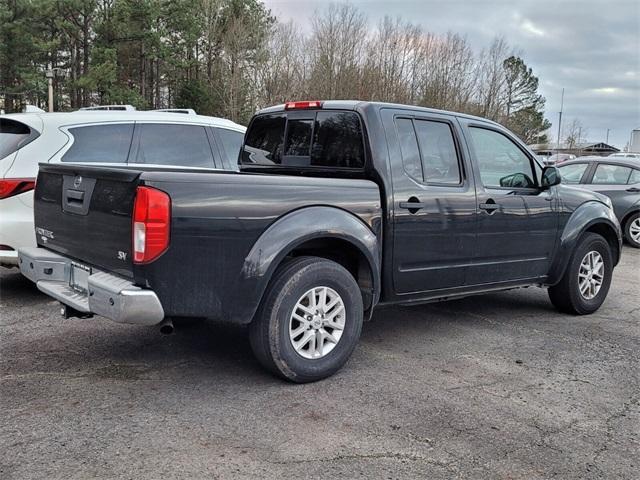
(635, 177)
(611, 174)
(322, 139)
(572, 174)
(438, 152)
(231, 144)
(100, 143)
(174, 144)
(500, 161)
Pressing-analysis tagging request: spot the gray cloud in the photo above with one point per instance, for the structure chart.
(589, 47)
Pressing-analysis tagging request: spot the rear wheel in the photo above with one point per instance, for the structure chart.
(587, 279)
(632, 230)
(309, 321)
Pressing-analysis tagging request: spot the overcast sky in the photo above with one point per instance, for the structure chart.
(589, 47)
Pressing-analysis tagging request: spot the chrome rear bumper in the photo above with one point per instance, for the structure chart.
(108, 295)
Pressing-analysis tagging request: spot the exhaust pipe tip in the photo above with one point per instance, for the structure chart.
(166, 327)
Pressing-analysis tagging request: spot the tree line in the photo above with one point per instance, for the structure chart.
(230, 57)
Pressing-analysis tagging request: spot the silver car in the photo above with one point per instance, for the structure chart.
(619, 179)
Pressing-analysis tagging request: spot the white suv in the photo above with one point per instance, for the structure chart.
(111, 137)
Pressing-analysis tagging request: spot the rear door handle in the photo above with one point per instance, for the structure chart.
(412, 205)
(489, 207)
(633, 190)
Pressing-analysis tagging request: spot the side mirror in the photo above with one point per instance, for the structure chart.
(550, 177)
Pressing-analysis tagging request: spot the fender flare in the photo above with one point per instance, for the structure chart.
(587, 216)
(287, 233)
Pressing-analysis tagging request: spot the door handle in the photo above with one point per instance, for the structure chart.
(490, 206)
(413, 205)
(633, 190)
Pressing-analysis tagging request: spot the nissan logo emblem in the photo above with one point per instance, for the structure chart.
(77, 181)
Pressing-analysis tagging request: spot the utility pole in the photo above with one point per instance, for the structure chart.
(560, 118)
(49, 75)
(607, 141)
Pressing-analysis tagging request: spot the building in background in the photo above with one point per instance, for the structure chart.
(634, 143)
(578, 149)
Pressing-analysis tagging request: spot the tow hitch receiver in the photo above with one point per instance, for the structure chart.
(69, 312)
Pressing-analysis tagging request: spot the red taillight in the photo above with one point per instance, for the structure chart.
(300, 105)
(15, 186)
(151, 224)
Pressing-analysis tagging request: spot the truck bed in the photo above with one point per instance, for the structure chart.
(216, 218)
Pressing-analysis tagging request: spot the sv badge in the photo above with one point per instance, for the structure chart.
(122, 255)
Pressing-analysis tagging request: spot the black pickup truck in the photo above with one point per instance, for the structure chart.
(338, 207)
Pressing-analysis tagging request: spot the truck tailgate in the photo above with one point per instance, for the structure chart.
(85, 213)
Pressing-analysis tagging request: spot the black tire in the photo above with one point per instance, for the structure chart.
(566, 295)
(269, 331)
(627, 228)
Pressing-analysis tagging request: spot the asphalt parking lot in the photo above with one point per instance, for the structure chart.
(499, 386)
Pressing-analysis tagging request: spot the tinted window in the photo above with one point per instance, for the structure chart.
(572, 173)
(438, 152)
(13, 135)
(265, 139)
(500, 161)
(231, 144)
(611, 174)
(333, 139)
(299, 137)
(409, 148)
(100, 143)
(182, 145)
(337, 140)
(635, 177)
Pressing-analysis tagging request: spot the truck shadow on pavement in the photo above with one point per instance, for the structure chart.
(102, 350)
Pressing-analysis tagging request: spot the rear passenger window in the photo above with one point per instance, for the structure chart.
(611, 174)
(100, 143)
(409, 148)
(13, 136)
(231, 144)
(635, 177)
(428, 151)
(180, 145)
(323, 139)
(438, 152)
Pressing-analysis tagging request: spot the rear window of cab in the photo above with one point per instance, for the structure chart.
(305, 139)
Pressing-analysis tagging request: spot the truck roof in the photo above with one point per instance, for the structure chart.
(359, 104)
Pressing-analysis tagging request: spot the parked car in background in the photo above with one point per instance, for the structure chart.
(619, 179)
(117, 137)
(635, 156)
(558, 158)
(338, 206)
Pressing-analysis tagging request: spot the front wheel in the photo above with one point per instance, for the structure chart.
(309, 321)
(586, 282)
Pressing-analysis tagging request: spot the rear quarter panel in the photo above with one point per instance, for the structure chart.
(216, 221)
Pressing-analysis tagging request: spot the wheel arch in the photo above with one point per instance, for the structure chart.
(593, 217)
(326, 232)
